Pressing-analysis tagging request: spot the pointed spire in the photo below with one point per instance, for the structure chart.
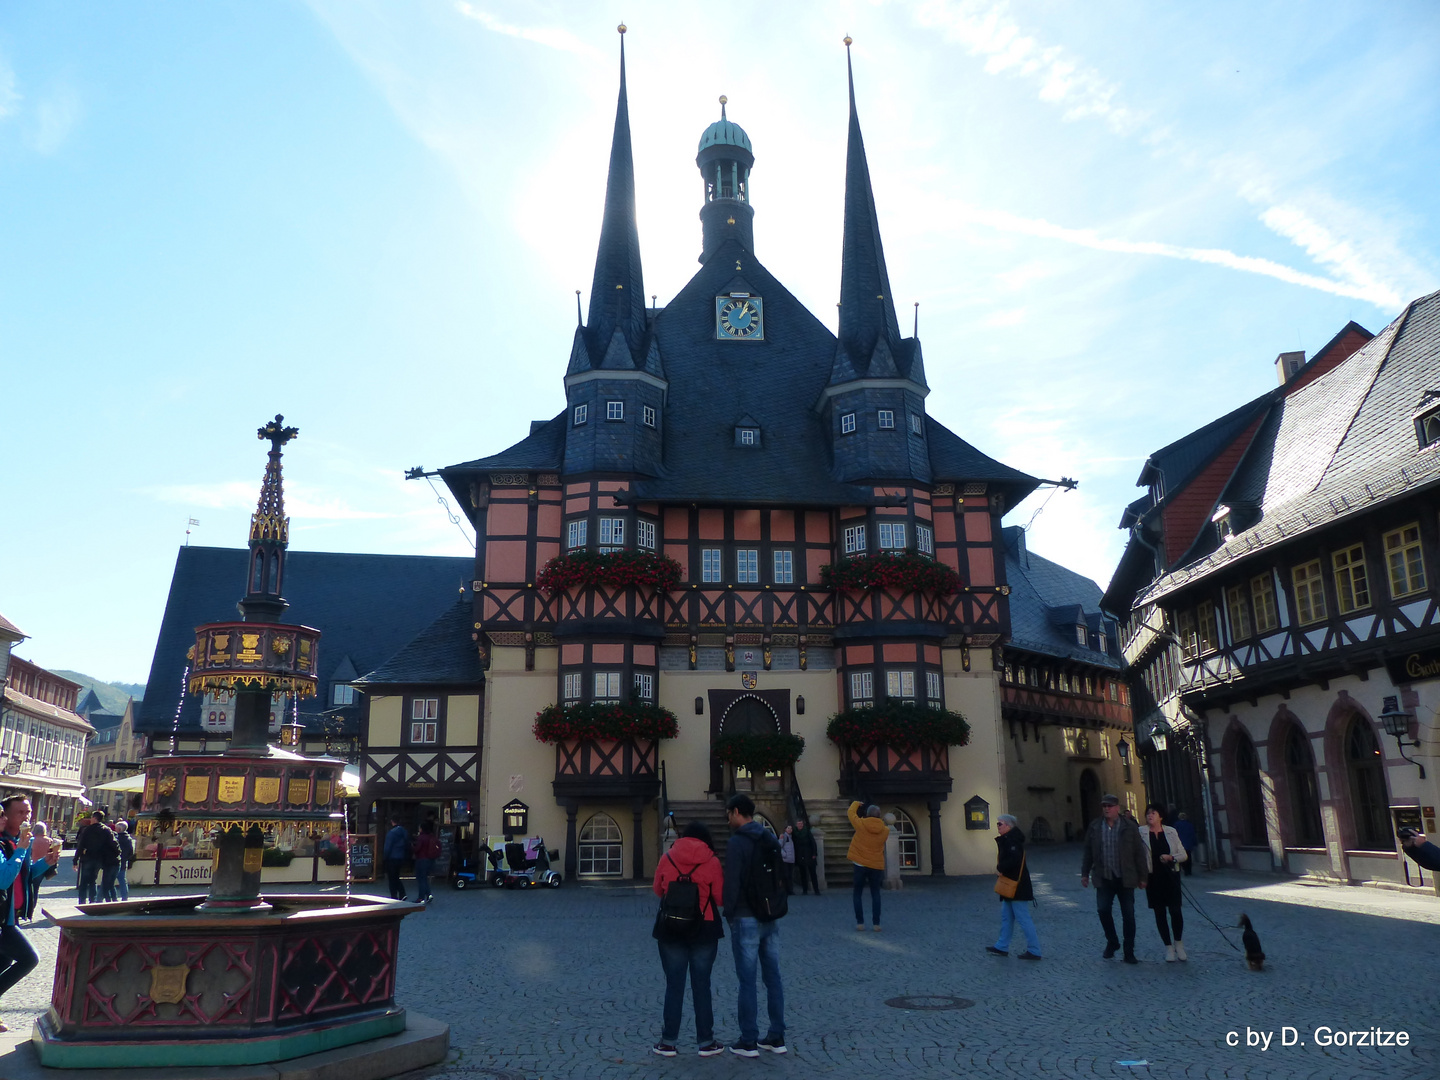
(867, 310)
(617, 294)
(269, 531)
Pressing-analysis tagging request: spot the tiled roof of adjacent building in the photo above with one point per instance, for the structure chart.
(1339, 446)
(366, 607)
(9, 630)
(1047, 602)
(442, 654)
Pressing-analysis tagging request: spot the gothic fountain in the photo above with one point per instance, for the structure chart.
(233, 977)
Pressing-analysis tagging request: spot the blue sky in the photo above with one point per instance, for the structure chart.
(372, 217)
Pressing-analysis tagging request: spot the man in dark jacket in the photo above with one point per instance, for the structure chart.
(397, 850)
(806, 851)
(1114, 850)
(752, 942)
(97, 854)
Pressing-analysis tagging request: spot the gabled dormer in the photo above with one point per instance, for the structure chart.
(1427, 418)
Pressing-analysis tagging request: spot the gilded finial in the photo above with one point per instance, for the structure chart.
(723, 101)
(849, 41)
(621, 28)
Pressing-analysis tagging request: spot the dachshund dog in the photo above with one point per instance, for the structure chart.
(1254, 957)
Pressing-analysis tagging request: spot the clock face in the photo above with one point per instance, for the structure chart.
(739, 318)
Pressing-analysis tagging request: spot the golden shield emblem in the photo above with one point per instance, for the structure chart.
(167, 984)
(748, 679)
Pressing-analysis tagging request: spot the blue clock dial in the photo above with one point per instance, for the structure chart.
(739, 318)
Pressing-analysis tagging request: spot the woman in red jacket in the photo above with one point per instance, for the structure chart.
(692, 856)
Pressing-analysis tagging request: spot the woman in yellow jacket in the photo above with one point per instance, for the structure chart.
(867, 852)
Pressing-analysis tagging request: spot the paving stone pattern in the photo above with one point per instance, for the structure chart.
(566, 983)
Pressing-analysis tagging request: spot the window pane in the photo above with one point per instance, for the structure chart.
(710, 564)
(887, 419)
(747, 565)
(784, 568)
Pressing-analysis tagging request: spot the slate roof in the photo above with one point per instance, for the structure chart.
(777, 381)
(366, 607)
(1041, 592)
(10, 630)
(1339, 446)
(441, 654)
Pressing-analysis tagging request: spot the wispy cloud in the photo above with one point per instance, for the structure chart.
(302, 503)
(549, 36)
(985, 28)
(55, 117)
(9, 91)
(1375, 292)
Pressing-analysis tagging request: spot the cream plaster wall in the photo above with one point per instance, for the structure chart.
(462, 720)
(513, 764)
(384, 722)
(977, 769)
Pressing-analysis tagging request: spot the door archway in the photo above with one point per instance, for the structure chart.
(1369, 800)
(1089, 798)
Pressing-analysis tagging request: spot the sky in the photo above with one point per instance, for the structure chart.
(372, 217)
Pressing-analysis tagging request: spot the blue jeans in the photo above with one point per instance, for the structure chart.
(1106, 890)
(89, 873)
(17, 958)
(697, 958)
(875, 878)
(1011, 912)
(107, 882)
(123, 884)
(750, 941)
(422, 878)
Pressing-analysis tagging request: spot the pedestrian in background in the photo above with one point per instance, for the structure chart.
(693, 954)
(787, 859)
(806, 852)
(427, 850)
(397, 850)
(1185, 829)
(87, 871)
(1163, 855)
(1010, 864)
(1114, 850)
(127, 857)
(867, 853)
(1421, 850)
(110, 860)
(40, 847)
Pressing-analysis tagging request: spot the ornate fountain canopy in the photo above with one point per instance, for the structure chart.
(279, 657)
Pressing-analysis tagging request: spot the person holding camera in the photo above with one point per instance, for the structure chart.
(1419, 849)
(17, 956)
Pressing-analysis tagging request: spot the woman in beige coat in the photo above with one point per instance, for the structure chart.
(1163, 855)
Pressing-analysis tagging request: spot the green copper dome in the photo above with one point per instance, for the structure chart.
(725, 133)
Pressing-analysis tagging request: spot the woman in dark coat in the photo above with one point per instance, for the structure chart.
(1010, 863)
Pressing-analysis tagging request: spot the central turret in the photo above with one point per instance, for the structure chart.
(724, 161)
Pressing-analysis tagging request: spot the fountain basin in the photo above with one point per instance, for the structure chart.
(156, 983)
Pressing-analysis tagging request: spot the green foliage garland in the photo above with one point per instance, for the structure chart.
(906, 571)
(759, 753)
(898, 724)
(608, 568)
(605, 720)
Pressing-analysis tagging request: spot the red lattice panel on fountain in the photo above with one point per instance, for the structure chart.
(331, 972)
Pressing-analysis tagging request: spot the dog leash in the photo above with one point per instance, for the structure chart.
(1206, 916)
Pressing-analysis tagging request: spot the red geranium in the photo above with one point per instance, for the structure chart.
(620, 568)
(905, 571)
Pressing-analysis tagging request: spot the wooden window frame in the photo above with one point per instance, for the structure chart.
(1309, 583)
(1414, 580)
(1352, 584)
(1262, 587)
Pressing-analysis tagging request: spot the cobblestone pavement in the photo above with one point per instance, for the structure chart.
(566, 983)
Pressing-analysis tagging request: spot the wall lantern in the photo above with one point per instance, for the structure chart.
(699, 706)
(290, 734)
(977, 814)
(1397, 723)
(1124, 750)
(800, 705)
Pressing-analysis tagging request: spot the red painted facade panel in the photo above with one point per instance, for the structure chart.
(1190, 509)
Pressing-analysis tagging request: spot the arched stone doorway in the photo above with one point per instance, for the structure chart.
(1369, 798)
(1089, 798)
(750, 715)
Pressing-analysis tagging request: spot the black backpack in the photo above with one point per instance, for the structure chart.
(764, 884)
(680, 916)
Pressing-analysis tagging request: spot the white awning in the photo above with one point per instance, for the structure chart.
(129, 783)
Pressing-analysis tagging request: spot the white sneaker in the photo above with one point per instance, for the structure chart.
(1180, 952)
(1169, 954)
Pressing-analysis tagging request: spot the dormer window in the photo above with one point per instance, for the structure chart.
(747, 436)
(1427, 419)
(917, 425)
(614, 410)
(847, 424)
(1080, 635)
(1224, 520)
(887, 419)
(342, 694)
(647, 415)
(582, 413)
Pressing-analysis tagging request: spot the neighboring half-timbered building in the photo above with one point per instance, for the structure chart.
(732, 432)
(1308, 626)
(1170, 526)
(1066, 707)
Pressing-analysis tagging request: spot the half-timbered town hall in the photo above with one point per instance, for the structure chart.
(660, 544)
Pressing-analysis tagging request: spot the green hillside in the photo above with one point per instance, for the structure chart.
(112, 695)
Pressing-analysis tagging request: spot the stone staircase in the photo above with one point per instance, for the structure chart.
(826, 814)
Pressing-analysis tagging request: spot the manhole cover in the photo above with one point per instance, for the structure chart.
(929, 1002)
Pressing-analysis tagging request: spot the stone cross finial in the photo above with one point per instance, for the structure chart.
(277, 433)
